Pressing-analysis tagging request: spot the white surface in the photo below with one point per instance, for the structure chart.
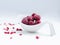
(27, 38)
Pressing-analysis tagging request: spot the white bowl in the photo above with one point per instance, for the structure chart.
(31, 28)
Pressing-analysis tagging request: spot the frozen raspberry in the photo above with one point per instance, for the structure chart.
(25, 21)
(37, 21)
(7, 28)
(6, 32)
(18, 29)
(29, 18)
(33, 14)
(37, 37)
(36, 17)
(31, 23)
(12, 32)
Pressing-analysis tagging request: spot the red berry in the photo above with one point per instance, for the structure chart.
(37, 22)
(18, 29)
(33, 14)
(37, 37)
(31, 23)
(36, 17)
(29, 18)
(12, 32)
(25, 21)
(7, 28)
(6, 32)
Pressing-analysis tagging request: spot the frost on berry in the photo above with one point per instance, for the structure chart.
(33, 14)
(37, 21)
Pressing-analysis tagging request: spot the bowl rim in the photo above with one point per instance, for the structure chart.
(31, 25)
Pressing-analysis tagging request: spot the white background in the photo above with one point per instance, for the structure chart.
(48, 9)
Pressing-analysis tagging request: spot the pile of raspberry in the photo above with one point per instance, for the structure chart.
(32, 20)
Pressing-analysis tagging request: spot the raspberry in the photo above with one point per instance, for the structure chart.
(36, 17)
(37, 21)
(12, 32)
(25, 21)
(6, 32)
(7, 28)
(33, 14)
(18, 29)
(31, 22)
(37, 37)
(29, 18)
